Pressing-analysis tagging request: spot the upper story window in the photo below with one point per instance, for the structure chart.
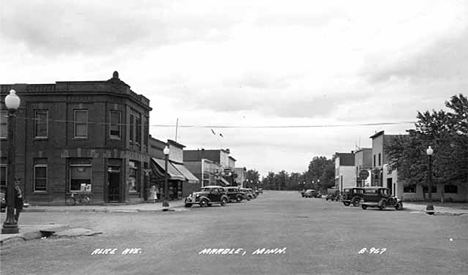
(146, 132)
(3, 124)
(81, 123)
(132, 128)
(380, 159)
(41, 124)
(115, 124)
(138, 130)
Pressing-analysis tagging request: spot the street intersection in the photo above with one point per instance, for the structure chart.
(277, 233)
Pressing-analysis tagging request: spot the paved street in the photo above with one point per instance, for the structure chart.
(300, 236)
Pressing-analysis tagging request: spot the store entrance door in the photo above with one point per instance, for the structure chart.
(113, 177)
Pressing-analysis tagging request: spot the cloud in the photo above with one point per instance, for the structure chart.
(445, 58)
(90, 28)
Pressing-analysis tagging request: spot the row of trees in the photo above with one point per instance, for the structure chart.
(447, 134)
(320, 175)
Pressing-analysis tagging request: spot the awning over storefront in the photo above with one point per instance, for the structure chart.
(174, 174)
(188, 175)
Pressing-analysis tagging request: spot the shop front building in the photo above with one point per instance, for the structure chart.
(87, 137)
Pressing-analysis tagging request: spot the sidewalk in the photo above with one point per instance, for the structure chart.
(140, 207)
(31, 232)
(438, 210)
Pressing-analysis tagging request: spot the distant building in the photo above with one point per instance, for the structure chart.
(211, 167)
(79, 136)
(181, 182)
(363, 166)
(345, 172)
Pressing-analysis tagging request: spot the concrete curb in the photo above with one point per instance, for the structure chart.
(10, 239)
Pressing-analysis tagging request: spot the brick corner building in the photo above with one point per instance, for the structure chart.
(79, 136)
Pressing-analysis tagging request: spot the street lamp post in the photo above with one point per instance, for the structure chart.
(166, 187)
(430, 207)
(12, 102)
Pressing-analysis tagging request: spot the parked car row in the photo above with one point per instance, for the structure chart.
(310, 193)
(209, 195)
(370, 197)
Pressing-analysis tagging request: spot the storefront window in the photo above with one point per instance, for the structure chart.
(80, 175)
(133, 177)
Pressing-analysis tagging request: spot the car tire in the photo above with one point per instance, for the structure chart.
(356, 202)
(223, 201)
(364, 207)
(203, 203)
(399, 206)
(239, 199)
(383, 205)
(346, 203)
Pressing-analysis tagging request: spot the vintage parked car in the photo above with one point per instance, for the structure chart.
(207, 196)
(379, 197)
(234, 194)
(333, 194)
(248, 193)
(310, 193)
(352, 196)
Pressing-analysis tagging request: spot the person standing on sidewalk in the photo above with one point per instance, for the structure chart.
(18, 200)
(153, 195)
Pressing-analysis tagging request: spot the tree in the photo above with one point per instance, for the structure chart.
(321, 172)
(447, 133)
(252, 178)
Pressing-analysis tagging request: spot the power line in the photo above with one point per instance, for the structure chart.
(283, 126)
(232, 126)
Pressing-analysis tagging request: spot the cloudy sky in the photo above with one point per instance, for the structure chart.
(282, 81)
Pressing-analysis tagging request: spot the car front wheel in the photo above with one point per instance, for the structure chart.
(223, 201)
(203, 203)
(356, 202)
(383, 205)
(346, 203)
(399, 206)
(364, 207)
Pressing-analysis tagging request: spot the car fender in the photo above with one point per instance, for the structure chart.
(382, 201)
(204, 197)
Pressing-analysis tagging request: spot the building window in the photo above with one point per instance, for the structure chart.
(132, 127)
(40, 175)
(138, 130)
(115, 124)
(41, 124)
(146, 132)
(380, 159)
(133, 177)
(3, 176)
(375, 164)
(3, 124)
(80, 175)
(81, 123)
(426, 189)
(451, 188)
(411, 188)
